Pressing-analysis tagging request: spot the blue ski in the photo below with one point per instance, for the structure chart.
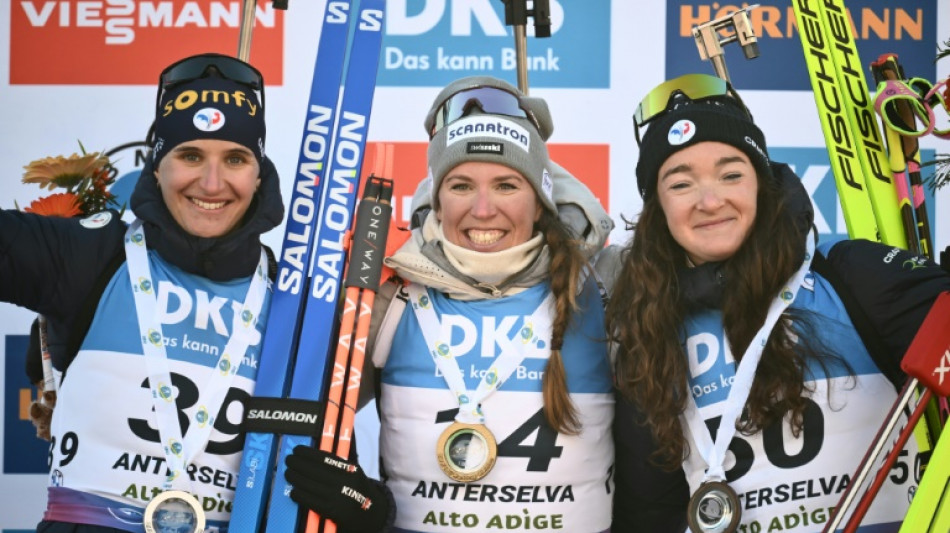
(337, 205)
(279, 343)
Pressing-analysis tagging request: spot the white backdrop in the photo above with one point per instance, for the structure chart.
(41, 119)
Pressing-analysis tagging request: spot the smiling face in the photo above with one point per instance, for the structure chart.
(708, 193)
(487, 207)
(208, 185)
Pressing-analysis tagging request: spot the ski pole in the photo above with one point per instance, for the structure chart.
(865, 502)
(890, 69)
(898, 162)
(928, 354)
(877, 446)
(247, 29)
(369, 249)
(907, 149)
(368, 246)
(248, 16)
(364, 307)
(516, 14)
(49, 378)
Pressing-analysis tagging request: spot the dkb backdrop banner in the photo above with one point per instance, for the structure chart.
(85, 71)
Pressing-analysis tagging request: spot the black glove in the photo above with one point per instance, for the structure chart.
(338, 490)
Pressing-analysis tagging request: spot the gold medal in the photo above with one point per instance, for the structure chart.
(466, 452)
(714, 508)
(174, 511)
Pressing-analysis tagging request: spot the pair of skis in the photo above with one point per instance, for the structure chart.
(870, 184)
(305, 304)
(862, 173)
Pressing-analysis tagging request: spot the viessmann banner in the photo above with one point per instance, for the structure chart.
(128, 42)
(903, 28)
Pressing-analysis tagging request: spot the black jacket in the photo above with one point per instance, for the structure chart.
(895, 290)
(53, 265)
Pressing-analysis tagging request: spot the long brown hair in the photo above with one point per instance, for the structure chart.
(567, 263)
(645, 317)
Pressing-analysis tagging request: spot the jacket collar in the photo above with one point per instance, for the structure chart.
(231, 256)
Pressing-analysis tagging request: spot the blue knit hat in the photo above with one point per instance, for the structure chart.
(209, 108)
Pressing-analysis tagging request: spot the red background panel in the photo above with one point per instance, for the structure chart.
(66, 42)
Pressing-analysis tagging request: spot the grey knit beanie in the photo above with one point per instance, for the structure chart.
(515, 142)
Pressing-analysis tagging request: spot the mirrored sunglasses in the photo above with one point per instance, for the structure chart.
(488, 100)
(695, 87)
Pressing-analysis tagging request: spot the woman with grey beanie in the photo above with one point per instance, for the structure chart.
(494, 379)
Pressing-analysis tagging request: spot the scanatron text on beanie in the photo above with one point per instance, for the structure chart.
(510, 141)
(209, 108)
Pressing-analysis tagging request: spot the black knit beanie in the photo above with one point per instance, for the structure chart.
(716, 119)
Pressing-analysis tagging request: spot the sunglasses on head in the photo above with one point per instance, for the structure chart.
(200, 66)
(488, 100)
(664, 97)
(923, 98)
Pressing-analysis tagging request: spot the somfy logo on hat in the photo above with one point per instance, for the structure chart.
(208, 119)
(681, 131)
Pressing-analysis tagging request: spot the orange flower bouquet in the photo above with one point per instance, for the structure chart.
(86, 179)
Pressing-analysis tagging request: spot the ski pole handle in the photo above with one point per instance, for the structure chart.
(516, 15)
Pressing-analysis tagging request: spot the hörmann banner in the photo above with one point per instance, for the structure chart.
(902, 27)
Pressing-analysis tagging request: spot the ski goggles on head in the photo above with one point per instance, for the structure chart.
(488, 100)
(196, 67)
(695, 87)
